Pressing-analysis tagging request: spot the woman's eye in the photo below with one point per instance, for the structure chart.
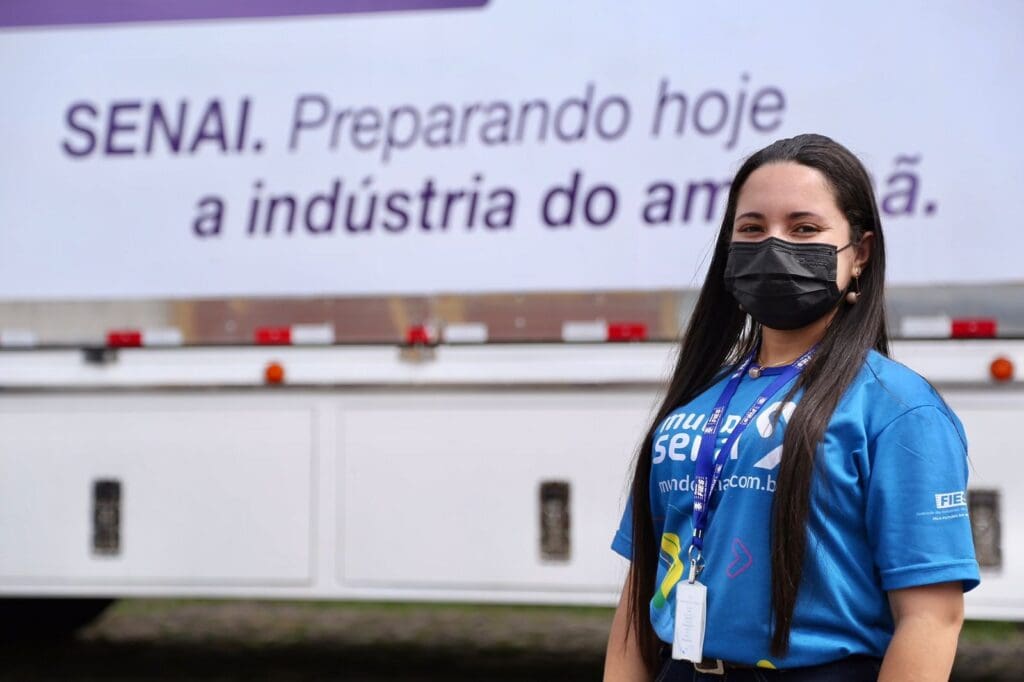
(749, 228)
(807, 228)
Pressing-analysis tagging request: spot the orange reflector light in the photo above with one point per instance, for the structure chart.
(274, 373)
(1001, 369)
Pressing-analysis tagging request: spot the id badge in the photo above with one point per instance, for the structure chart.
(691, 610)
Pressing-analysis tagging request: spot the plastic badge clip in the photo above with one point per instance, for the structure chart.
(696, 564)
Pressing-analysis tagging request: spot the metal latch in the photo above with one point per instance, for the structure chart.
(106, 517)
(555, 539)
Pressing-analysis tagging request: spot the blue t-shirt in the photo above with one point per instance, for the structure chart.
(888, 511)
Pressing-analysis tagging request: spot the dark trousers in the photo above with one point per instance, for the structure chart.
(852, 669)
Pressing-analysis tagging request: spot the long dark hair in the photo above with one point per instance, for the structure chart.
(719, 334)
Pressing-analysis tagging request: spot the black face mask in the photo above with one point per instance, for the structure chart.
(783, 285)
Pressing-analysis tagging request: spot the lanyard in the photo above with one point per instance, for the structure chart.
(708, 470)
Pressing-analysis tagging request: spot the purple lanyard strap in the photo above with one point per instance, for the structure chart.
(708, 468)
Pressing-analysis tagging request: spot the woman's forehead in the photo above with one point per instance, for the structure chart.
(785, 188)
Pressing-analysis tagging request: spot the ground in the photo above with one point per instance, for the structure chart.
(243, 640)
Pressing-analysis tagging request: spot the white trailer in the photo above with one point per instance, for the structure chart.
(461, 472)
(218, 167)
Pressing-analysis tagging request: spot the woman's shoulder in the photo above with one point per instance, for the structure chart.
(888, 390)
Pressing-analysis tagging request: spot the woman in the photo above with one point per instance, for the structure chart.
(834, 560)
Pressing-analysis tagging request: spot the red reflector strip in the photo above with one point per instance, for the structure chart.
(974, 329)
(125, 338)
(627, 331)
(274, 336)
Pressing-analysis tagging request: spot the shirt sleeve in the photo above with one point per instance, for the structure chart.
(917, 518)
(622, 543)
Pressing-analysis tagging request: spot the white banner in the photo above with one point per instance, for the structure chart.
(516, 146)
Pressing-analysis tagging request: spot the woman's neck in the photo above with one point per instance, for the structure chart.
(780, 347)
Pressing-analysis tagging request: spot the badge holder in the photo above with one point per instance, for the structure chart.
(691, 613)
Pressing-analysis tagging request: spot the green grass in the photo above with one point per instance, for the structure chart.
(973, 630)
(991, 630)
(157, 604)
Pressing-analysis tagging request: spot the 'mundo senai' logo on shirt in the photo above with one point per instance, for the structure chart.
(949, 500)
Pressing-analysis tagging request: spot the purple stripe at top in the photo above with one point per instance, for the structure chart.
(78, 12)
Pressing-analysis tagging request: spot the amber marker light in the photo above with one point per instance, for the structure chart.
(1001, 369)
(274, 373)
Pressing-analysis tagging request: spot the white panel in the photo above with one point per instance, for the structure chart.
(163, 336)
(442, 491)
(934, 326)
(312, 334)
(211, 491)
(18, 338)
(997, 463)
(465, 332)
(423, 491)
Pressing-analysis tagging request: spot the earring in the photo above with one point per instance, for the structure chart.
(852, 296)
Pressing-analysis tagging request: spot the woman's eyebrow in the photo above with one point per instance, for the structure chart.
(751, 214)
(795, 215)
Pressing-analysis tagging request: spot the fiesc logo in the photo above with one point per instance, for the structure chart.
(950, 500)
